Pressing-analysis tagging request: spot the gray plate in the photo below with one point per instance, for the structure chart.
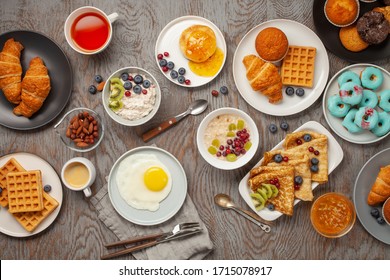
(168, 207)
(36, 44)
(364, 181)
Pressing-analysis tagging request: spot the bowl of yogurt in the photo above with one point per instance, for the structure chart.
(227, 138)
(131, 96)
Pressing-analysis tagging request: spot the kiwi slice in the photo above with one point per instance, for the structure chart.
(275, 191)
(117, 92)
(263, 193)
(268, 188)
(115, 105)
(258, 201)
(115, 81)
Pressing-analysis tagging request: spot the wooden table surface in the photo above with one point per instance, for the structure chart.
(77, 233)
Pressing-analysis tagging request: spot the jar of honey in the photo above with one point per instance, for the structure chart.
(333, 215)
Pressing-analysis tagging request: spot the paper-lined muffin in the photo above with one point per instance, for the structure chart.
(341, 12)
(271, 44)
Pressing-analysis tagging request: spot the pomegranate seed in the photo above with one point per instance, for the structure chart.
(130, 78)
(276, 180)
(311, 149)
(144, 91)
(296, 187)
(165, 69)
(237, 153)
(299, 141)
(159, 56)
(243, 151)
(128, 93)
(242, 137)
(214, 93)
(277, 185)
(188, 82)
(244, 130)
(228, 151)
(166, 54)
(219, 154)
(285, 159)
(224, 153)
(238, 149)
(221, 147)
(237, 143)
(229, 141)
(272, 182)
(316, 153)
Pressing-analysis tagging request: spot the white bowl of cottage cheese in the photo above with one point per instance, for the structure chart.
(131, 96)
(227, 138)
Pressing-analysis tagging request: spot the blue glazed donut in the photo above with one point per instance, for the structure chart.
(383, 125)
(351, 93)
(336, 107)
(349, 76)
(348, 122)
(366, 118)
(369, 99)
(371, 78)
(385, 100)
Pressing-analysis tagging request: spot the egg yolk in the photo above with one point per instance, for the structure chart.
(155, 179)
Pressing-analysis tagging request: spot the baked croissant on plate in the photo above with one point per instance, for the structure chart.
(35, 88)
(264, 77)
(11, 70)
(380, 190)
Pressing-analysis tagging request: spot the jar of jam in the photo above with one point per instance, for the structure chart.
(333, 215)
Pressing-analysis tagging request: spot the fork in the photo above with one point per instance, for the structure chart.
(180, 230)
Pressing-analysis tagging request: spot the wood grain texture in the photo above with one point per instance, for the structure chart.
(78, 233)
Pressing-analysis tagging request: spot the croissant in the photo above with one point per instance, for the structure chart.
(264, 77)
(35, 88)
(380, 190)
(11, 71)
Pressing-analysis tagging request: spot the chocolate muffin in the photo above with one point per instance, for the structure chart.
(373, 27)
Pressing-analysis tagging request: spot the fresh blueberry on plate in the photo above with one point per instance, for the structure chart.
(98, 79)
(47, 188)
(271, 207)
(278, 158)
(181, 79)
(307, 137)
(224, 90)
(314, 168)
(127, 85)
(92, 89)
(380, 220)
(174, 74)
(314, 161)
(375, 212)
(146, 84)
(284, 126)
(181, 71)
(137, 89)
(170, 65)
(289, 91)
(300, 92)
(298, 180)
(273, 128)
(125, 76)
(138, 79)
(163, 62)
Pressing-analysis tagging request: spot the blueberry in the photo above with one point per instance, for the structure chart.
(138, 79)
(298, 180)
(314, 161)
(125, 76)
(307, 137)
(1, 190)
(380, 220)
(300, 92)
(284, 126)
(127, 85)
(224, 90)
(278, 158)
(163, 62)
(92, 89)
(181, 71)
(170, 65)
(271, 207)
(375, 212)
(146, 84)
(47, 188)
(98, 79)
(137, 89)
(290, 91)
(181, 79)
(314, 168)
(174, 74)
(273, 128)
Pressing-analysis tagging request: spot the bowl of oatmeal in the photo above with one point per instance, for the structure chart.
(131, 96)
(227, 138)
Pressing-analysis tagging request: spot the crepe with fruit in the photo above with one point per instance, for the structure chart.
(265, 178)
(302, 174)
(315, 145)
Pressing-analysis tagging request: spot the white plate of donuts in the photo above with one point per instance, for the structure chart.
(356, 103)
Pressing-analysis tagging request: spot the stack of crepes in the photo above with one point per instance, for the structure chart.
(23, 193)
(305, 154)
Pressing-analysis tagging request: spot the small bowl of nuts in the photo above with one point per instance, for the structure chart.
(80, 129)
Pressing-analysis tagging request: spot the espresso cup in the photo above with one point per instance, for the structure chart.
(78, 174)
(88, 30)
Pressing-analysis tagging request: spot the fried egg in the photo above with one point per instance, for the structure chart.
(143, 181)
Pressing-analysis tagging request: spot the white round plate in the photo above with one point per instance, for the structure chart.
(364, 137)
(168, 41)
(168, 207)
(8, 224)
(298, 35)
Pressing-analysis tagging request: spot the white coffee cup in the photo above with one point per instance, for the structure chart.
(78, 174)
(75, 15)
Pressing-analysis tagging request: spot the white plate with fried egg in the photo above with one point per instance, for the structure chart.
(147, 186)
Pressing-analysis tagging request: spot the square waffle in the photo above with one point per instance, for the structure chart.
(298, 66)
(10, 166)
(30, 220)
(24, 191)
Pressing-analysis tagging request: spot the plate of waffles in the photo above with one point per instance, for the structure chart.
(26, 208)
(305, 66)
(310, 152)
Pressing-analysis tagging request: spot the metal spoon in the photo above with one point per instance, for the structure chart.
(195, 108)
(225, 201)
